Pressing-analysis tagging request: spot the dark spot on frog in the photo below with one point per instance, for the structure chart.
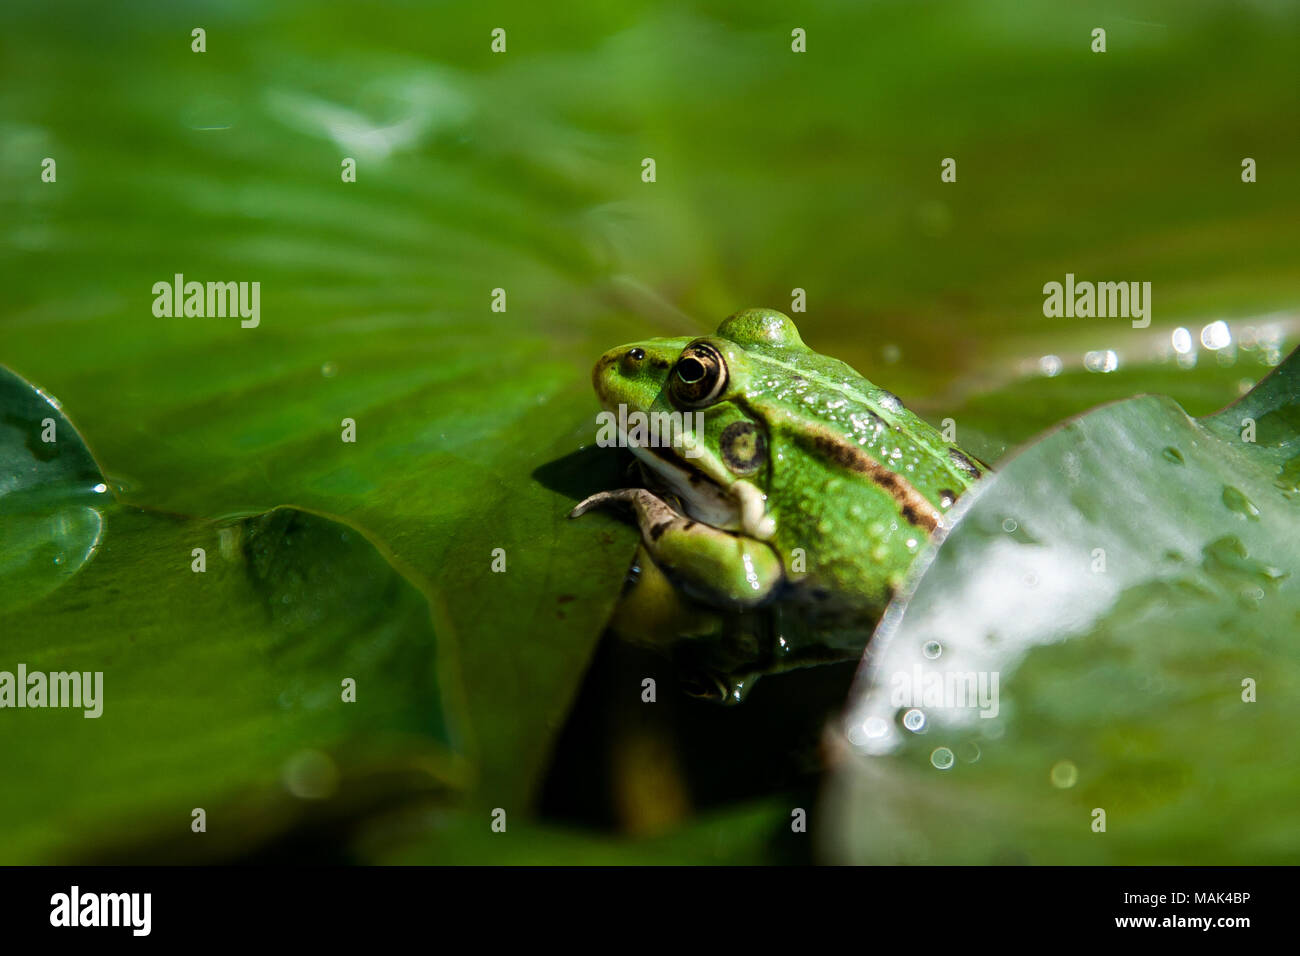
(564, 598)
(636, 355)
(916, 517)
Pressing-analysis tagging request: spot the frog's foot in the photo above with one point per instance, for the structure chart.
(602, 499)
(713, 565)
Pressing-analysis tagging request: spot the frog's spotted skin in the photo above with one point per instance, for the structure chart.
(797, 453)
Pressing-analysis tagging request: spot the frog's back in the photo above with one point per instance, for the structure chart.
(841, 417)
(870, 480)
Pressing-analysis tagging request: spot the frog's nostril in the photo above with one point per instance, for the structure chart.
(636, 355)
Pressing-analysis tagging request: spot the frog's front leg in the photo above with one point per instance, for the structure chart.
(712, 565)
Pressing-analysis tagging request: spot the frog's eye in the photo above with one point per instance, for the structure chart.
(700, 375)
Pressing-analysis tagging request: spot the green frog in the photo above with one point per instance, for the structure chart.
(785, 512)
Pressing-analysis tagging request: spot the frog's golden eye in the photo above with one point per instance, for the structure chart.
(700, 375)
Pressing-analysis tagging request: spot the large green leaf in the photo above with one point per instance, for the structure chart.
(222, 649)
(1131, 583)
(522, 171)
(375, 306)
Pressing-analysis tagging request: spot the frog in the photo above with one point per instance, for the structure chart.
(787, 511)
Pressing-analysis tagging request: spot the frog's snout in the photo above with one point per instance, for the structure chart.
(600, 374)
(629, 357)
(603, 364)
(623, 362)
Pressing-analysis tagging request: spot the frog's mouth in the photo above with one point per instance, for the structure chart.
(739, 506)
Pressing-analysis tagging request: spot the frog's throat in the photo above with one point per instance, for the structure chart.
(741, 507)
(754, 519)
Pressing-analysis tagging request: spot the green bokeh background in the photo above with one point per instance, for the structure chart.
(522, 171)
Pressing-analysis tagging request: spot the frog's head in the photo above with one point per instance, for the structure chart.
(680, 407)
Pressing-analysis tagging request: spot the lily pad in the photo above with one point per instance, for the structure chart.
(266, 670)
(1100, 660)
